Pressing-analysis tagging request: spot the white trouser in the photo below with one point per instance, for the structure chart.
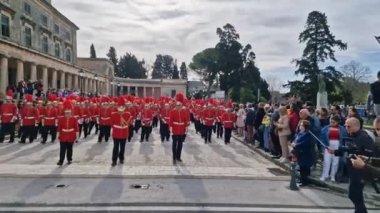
(330, 161)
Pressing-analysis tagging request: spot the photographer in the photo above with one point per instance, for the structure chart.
(362, 143)
(369, 166)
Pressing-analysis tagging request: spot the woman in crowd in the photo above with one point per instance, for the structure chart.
(353, 113)
(241, 114)
(266, 124)
(323, 117)
(293, 119)
(284, 132)
(332, 136)
(303, 147)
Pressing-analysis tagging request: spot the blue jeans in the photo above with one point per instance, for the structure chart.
(266, 137)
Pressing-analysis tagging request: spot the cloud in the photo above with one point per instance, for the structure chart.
(183, 28)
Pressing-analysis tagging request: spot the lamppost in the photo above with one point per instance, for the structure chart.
(118, 88)
(377, 39)
(81, 81)
(96, 85)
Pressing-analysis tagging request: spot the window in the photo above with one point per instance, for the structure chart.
(5, 26)
(67, 36)
(44, 20)
(68, 55)
(45, 44)
(27, 9)
(57, 48)
(56, 29)
(28, 36)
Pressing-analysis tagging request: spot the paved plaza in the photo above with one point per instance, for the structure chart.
(153, 158)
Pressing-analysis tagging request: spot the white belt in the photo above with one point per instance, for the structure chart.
(29, 117)
(67, 130)
(177, 123)
(49, 118)
(120, 127)
(105, 118)
(228, 121)
(8, 114)
(209, 118)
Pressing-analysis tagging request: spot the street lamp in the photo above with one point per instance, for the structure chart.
(377, 39)
(96, 85)
(118, 88)
(81, 73)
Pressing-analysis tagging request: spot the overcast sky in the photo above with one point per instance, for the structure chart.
(182, 28)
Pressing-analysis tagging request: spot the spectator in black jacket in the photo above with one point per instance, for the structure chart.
(259, 115)
(249, 121)
(362, 141)
(375, 92)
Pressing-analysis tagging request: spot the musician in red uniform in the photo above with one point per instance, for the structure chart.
(178, 126)
(208, 120)
(86, 117)
(41, 110)
(29, 120)
(133, 112)
(146, 122)
(49, 121)
(104, 120)
(228, 120)
(94, 116)
(219, 112)
(164, 123)
(120, 124)
(68, 133)
(8, 117)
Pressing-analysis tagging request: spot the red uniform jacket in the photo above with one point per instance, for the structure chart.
(8, 112)
(208, 117)
(77, 112)
(67, 129)
(178, 121)
(29, 116)
(50, 118)
(105, 117)
(42, 112)
(165, 115)
(219, 113)
(94, 112)
(120, 124)
(60, 112)
(85, 114)
(146, 117)
(228, 119)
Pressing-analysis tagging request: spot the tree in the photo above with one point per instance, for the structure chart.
(92, 51)
(356, 71)
(183, 71)
(230, 66)
(205, 63)
(130, 67)
(320, 44)
(163, 67)
(175, 74)
(112, 56)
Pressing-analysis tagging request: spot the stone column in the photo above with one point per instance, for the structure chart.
(70, 81)
(108, 88)
(33, 72)
(45, 78)
(63, 80)
(54, 79)
(20, 71)
(76, 82)
(144, 92)
(153, 95)
(4, 74)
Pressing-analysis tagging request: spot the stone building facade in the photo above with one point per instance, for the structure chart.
(37, 42)
(148, 87)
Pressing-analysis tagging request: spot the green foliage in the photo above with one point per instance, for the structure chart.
(164, 67)
(130, 67)
(230, 65)
(183, 71)
(92, 51)
(320, 44)
(112, 56)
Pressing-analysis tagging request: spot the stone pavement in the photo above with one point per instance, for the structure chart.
(369, 193)
(147, 159)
